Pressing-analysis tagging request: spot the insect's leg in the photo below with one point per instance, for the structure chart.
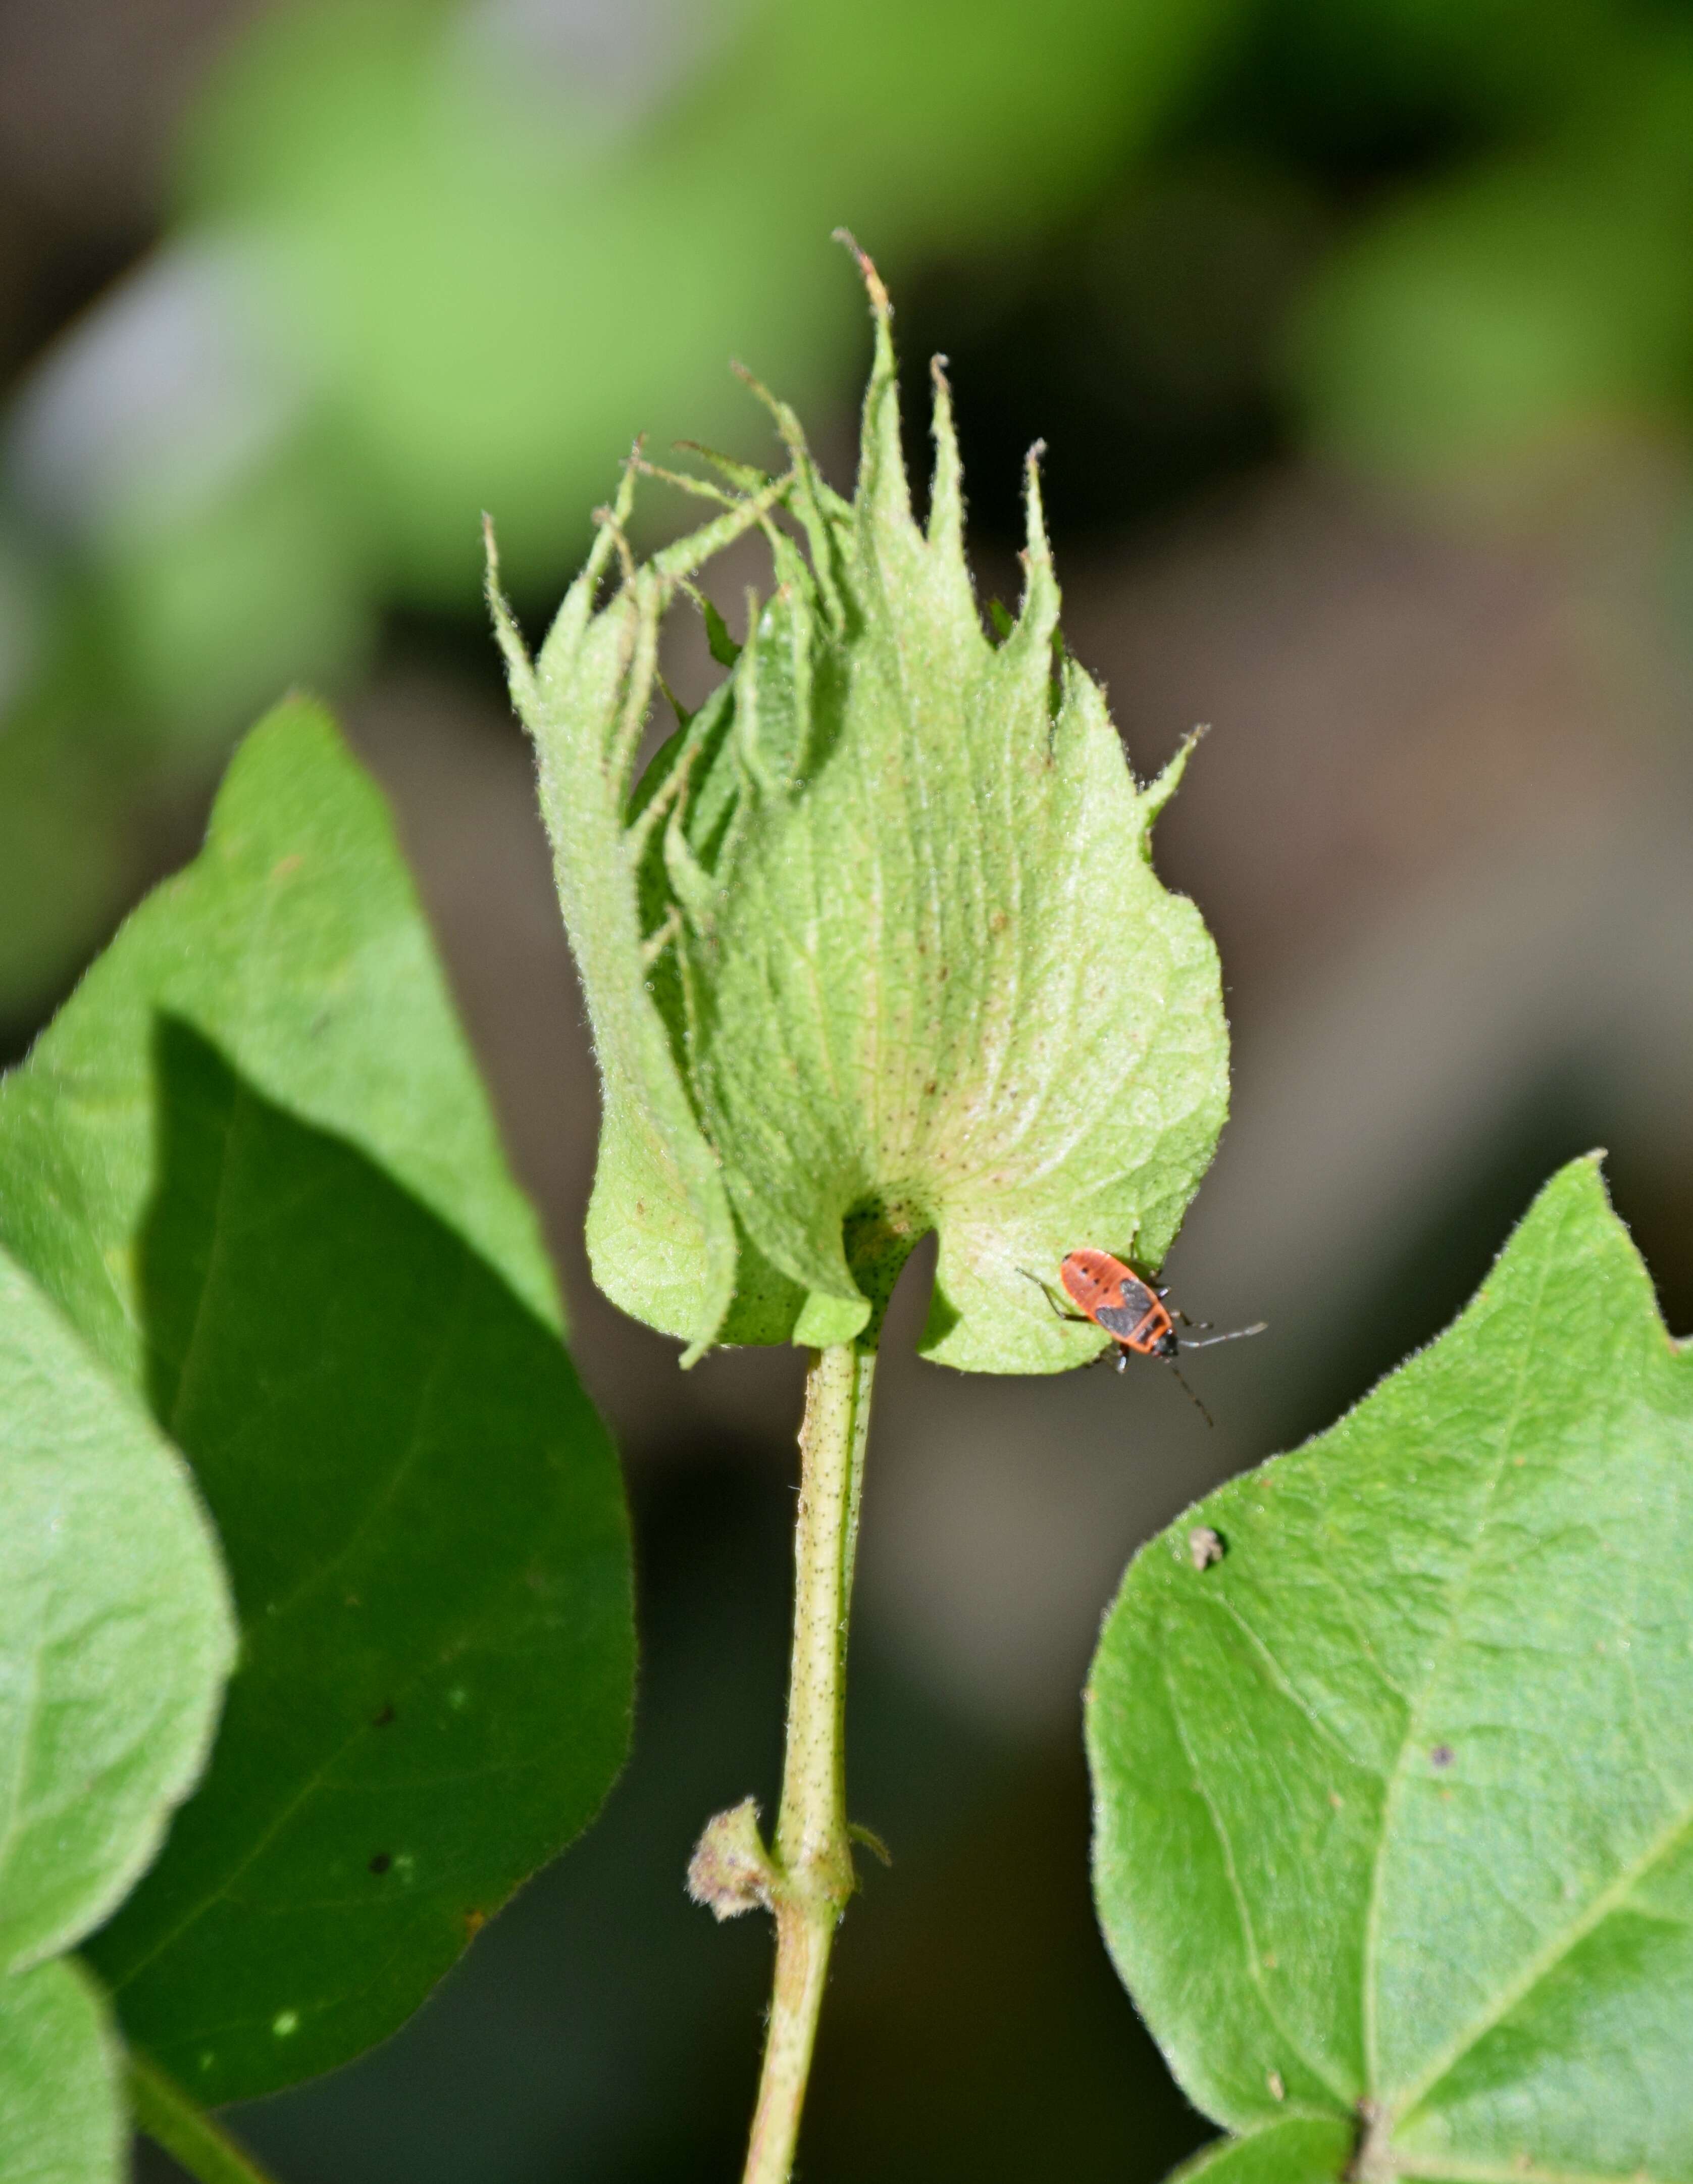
(1190, 1394)
(1176, 1311)
(1077, 1319)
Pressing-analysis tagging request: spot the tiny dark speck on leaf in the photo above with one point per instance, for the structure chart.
(1441, 1756)
(382, 1719)
(381, 1861)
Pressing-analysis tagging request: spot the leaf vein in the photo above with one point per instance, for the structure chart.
(1226, 1844)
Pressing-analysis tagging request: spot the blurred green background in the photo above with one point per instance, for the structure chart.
(1361, 334)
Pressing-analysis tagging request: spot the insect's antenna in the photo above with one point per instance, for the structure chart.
(1190, 1394)
(1234, 1335)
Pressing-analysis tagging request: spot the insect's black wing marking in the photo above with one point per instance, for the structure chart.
(1138, 1305)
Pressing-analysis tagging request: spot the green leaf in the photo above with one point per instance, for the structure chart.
(1297, 2150)
(61, 2115)
(252, 1161)
(1394, 1802)
(876, 945)
(116, 1632)
(719, 643)
(296, 944)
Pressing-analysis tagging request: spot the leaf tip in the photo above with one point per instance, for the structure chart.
(883, 488)
(879, 302)
(1581, 1178)
(1037, 554)
(946, 495)
(1158, 791)
(519, 668)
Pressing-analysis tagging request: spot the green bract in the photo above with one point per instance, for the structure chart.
(874, 945)
(1395, 1800)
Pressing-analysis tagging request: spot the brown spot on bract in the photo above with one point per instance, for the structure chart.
(384, 1715)
(381, 1863)
(284, 865)
(998, 922)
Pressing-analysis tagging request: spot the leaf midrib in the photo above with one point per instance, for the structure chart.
(1546, 1961)
(1404, 2104)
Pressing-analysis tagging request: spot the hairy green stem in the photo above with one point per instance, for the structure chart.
(813, 1852)
(174, 2121)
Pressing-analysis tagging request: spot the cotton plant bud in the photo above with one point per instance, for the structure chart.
(873, 944)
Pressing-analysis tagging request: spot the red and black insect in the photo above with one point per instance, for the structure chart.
(1110, 1294)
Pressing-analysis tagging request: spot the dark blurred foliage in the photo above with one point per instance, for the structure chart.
(1360, 335)
(413, 258)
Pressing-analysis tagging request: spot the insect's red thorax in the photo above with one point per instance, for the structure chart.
(1092, 1279)
(1114, 1297)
